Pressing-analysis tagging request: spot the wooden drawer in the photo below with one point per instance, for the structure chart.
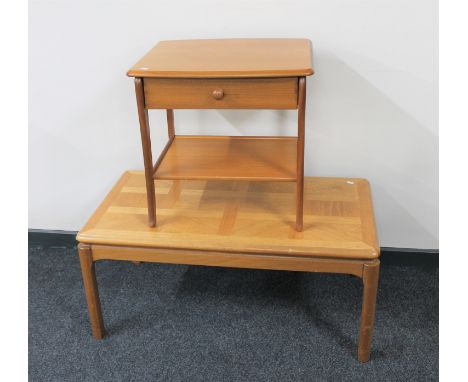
(221, 93)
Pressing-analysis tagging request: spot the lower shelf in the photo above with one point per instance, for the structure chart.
(229, 158)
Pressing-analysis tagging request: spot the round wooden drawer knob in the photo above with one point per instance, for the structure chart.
(218, 94)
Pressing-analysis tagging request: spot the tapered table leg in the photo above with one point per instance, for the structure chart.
(370, 279)
(300, 154)
(147, 153)
(91, 289)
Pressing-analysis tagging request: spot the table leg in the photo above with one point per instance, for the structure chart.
(91, 289)
(147, 153)
(170, 123)
(300, 154)
(370, 278)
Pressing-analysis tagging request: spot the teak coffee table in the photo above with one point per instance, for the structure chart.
(239, 224)
(224, 74)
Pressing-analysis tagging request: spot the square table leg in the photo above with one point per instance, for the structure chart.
(370, 278)
(91, 289)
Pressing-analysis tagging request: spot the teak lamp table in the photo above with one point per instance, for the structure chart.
(224, 74)
(241, 224)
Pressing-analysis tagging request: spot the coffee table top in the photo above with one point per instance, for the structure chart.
(226, 58)
(239, 216)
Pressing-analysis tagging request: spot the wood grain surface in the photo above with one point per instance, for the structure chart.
(227, 58)
(224, 157)
(221, 93)
(240, 216)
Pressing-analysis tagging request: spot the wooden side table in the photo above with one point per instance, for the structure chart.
(224, 74)
(240, 224)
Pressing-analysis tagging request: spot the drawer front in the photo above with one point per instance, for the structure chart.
(224, 93)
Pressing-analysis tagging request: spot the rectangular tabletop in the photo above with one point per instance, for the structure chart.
(223, 158)
(239, 217)
(226, 58)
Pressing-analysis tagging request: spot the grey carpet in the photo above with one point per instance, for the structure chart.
(190, 323)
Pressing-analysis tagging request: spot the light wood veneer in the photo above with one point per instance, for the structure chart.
(240, 217)
(224, 158)
(228, 58)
